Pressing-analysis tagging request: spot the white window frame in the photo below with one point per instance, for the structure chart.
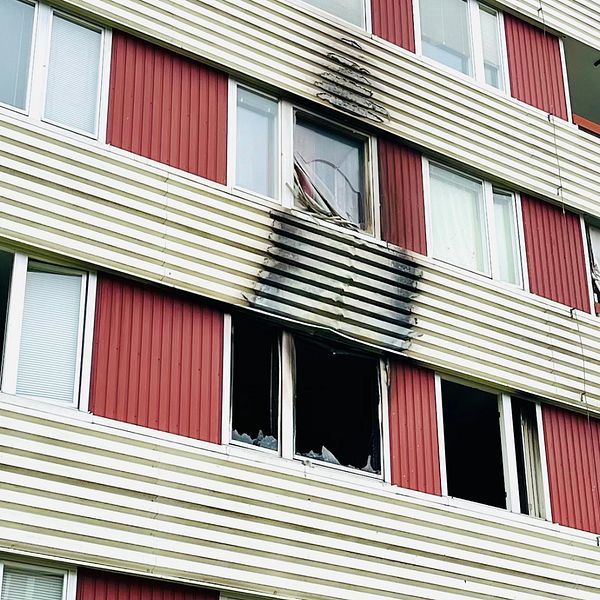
(474, 44)
(509, 460)
(325, 14)
(490, 230)
(69, 575)
(38, 74)
(14, 320)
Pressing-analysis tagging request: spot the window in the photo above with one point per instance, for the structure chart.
(594, 253)
(49, 310)
(491, 449)
(474, 225)
(464, 35)
(60, 82)
(323, 168)
(300, 397)
(352, 11)
(21, 581)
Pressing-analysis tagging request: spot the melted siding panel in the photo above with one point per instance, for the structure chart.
(157, 360)
(555, 253)
(573, 455)
(402, 199)
(413, 428)
(535, 67)
(167, 108)
(393, 20)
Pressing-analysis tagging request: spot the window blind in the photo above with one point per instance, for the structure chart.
(27, 584)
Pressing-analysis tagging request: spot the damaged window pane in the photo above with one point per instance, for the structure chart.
(329, 173)
(255, 403)
(337, 406)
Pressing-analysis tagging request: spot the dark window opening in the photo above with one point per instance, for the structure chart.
(337, 406)
(473, 445)
(255, 384)
(6, 265)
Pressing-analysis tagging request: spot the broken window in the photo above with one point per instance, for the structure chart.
(491, 447)
(594, 251)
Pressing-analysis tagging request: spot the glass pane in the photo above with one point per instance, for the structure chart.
(445, 33)
(335, 164)
(256, 149)
(490, 42)
(49, 335)
(349, 10)
(73, 75)
(458, 220)
(16, 30)
(507, 247)
(26, 584)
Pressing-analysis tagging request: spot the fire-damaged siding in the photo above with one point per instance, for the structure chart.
(393, 20)
(414, 449)
(167, 108)
(535, 66)
(573, 456)
(157, 359)
(555, 253)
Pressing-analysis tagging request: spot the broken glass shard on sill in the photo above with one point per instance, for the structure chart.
(261, 440)
(368, 467)
(325, 455)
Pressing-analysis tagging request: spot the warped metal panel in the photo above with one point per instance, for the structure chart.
(401, 193)
(573, 456)
(167, 108)
(157, 359)
(102, 585)
(535, 66)
(414, 446)
(130, 502)
(393, 21)
(555, 254)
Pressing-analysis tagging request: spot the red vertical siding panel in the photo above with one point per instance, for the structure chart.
(413, 429)
(146, 367)
(99, 585)
(402, 200)
(555, 254)
(573, 455)
(393, 20)
(167, 108)
(535, 67)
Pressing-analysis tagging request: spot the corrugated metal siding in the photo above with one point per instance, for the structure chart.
(167, 108)
(157, 360)
(402, 200)
(393, 21)
(555, 253)
(535, 66)
(573, 455)
(100, 585)
(414, 446)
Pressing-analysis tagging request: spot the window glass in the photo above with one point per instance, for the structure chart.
(332, 165)
(458, 221)
(445, 34)
(349, 10)
(27, 584)
(73, 75)
(16, 30)
(49, 335)
(490, 42)
(256, 145)
(507, 246)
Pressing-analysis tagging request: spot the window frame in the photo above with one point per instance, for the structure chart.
(12, 337)
(475, 46)
(324, 14)
(69, 575)
(490, 231)
(38, 75)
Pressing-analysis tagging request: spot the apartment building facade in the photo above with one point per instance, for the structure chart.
(299, 299)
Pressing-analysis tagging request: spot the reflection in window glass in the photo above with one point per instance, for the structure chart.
(445, 33)
(507, 247)
(334, 162)
(256, 144)
(490, 42)
(458, 221)
(349, 10)
(16, 30)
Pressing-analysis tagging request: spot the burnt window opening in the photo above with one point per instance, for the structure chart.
(254, 395)
(337, 406)
(6, 267)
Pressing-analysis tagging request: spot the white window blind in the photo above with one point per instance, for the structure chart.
(507, 245)
(490, 42)
(27, 584)
(72, 89)
(49, 335)
(16, 30)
